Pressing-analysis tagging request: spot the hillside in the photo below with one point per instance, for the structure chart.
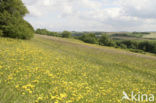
(151, 36)
(50, 69)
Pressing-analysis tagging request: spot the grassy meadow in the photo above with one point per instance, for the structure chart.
(56, 70)
(150, 36)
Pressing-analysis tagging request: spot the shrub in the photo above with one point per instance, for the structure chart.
(123, 46)
(106, 41)
(137, 51)
(1, 33)
(46, 32)
(66, 34)
(89, 38)
(42, 31)
(130, 44)
(147, 46)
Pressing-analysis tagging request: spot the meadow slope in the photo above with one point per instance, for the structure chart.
(55, 70)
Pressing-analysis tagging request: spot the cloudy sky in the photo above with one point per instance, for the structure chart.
(92, 15)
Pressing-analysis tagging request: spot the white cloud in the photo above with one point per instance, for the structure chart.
(103, 15)
(139, 8)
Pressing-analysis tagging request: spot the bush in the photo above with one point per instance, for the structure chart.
(42, 31)
(1, 33)
(137, 51)
(123, 46)
(106, 41)
(66, 34)
(147, 46)
(89, 38)
(129, 43)
(46, 32)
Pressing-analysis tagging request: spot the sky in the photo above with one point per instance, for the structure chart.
(92, 15)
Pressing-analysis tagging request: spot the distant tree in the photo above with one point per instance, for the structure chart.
(66, 34)
(1, 33)
(106, 40)
(130, 44)
(147, 46)
(123, 46)
(42, 31)
(12, 23)
(46, 32)
(89, 38)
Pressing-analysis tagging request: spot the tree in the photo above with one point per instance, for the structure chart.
(106, 41)
(66, 34)
(12, 23)
(148, 46)
(46, 32)
(42, 31)
(1, 33)
(89, 38)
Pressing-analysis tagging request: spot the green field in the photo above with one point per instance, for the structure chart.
(56, 70)
(150, 36)
(132, 36)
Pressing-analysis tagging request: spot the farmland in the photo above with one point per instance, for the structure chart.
(152, 36)
(58, 70)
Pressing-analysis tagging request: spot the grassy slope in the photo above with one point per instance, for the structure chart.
(58, 70)
(152, 35)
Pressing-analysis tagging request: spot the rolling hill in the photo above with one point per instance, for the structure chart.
(56, 70)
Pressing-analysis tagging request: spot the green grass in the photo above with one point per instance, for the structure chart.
(131, 36)
(49, 69)
(150, 36)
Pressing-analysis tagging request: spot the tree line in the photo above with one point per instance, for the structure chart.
(105, 40)
(64, 34)
(133, 45)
